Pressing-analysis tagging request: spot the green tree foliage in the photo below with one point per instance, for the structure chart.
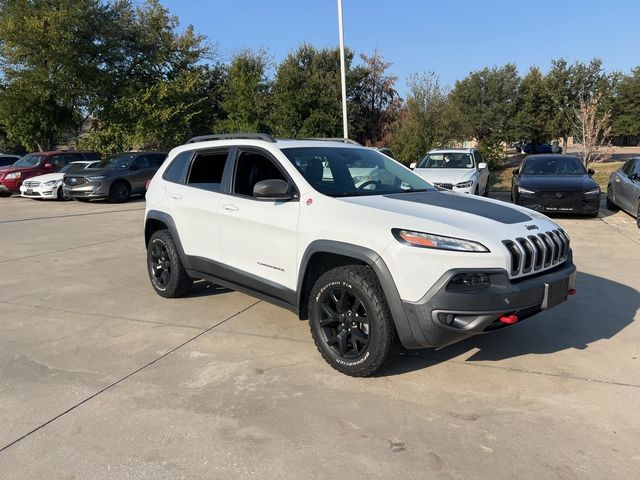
(534, 109)
(246, 94)
(428, 120)
(306, 93)
(626, 105)
(487, 102)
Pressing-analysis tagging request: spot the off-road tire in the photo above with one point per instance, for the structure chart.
(119, 192)
(361, 283)
(610, 205)
(178, 283)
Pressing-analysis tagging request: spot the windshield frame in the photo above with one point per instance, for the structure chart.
(341, 161)
(529, 161)
(426, 158)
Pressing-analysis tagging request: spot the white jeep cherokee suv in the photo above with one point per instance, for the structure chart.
(351, 240)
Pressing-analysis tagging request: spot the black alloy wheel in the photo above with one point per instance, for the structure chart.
(119, 192)
(344, 322)
(160, 264)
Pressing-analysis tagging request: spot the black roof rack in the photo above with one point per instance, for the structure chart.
(334, 139)
(228, 136)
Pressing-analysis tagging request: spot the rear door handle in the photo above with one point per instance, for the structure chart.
(177, 196)
(230, 207)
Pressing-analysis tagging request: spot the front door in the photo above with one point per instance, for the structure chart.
(258, 237)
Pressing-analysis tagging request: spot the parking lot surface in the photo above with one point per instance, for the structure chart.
(100, 378)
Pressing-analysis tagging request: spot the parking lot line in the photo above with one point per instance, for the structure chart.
(113, 384)
(87, 214)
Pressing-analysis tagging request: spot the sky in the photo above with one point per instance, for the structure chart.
(450, 38)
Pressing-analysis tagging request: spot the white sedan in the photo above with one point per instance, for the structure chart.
(458, 169)
(49, 186)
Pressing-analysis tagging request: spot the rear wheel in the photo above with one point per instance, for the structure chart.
(119, 192)
(350, 320)
(610, 204)
(166, 272)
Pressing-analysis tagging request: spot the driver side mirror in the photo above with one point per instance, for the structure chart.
(48, 165)
(482, 166)
(413, 165)
(275, 189)
(591, 171)
(516, 171)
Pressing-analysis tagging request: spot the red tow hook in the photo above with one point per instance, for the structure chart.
(572, 291)
(509, 319)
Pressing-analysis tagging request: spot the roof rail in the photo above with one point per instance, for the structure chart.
(228, 136)
(334, 139)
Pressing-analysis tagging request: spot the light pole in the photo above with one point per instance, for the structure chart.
(343, 75)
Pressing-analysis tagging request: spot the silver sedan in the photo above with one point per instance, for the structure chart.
(624, 189)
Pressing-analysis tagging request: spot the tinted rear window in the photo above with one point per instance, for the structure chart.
(177, 171)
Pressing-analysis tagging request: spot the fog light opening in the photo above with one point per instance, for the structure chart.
(509, 319)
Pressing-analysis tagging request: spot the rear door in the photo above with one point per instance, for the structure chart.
(194, 183)
(142, 170)
(259, 237)
(624, 186)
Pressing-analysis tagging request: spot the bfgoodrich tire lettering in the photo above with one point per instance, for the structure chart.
(166, 272)
(350, 320)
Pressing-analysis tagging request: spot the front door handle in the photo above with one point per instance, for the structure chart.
(177, 196)
(230, 207)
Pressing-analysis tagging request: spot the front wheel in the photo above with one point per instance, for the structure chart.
(119, 192)
(166, 272)
(350, 320)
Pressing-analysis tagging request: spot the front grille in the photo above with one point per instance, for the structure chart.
(559, 195)
(537, 252)
(73, 181)
(448, 186)
(31, 183)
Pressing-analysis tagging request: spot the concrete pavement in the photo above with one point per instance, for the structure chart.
(102, 378)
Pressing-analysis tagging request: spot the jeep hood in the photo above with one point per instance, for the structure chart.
(445, 175)
(447, 207)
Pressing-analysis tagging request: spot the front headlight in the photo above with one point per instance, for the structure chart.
(524, 190)
(97, 177)
(13, 176)
(438, 242)
(595, 191)
(466, 184)
(50, 183)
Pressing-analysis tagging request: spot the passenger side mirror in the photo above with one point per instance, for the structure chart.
(591, 171)
(633, 177)
(275, 189)
(482, 166)
(516, 171)
(413, 166)
(48, 165)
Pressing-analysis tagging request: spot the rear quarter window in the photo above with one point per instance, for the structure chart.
(176, 172)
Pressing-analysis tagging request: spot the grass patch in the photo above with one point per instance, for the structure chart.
(501, 179)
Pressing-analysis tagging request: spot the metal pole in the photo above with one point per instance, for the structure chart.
(343, 75)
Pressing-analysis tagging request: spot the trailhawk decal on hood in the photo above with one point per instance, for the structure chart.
(465, 203)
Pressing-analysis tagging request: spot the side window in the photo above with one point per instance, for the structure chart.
(177, 171)
(627, 168)
(479, 158)
(207, 169)
(636, 168)
(60, 160)
(252, 168)
(156, 160)
(142, 162)
(92, 156)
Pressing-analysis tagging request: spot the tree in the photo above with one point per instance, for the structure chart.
(246, 94)
(626, 105)
(534, 109)
(593, 127)
(375, 101)
(428, 120)
(487, 101)
(307, 95)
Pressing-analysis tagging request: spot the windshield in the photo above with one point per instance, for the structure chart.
(76, 167)
(342, 172)
(117, 161)
(446, 160)
(29, 160)
(553, 166)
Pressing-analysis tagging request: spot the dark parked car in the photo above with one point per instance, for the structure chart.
(116, 178)
(555, 184)
(624, 189)
(38, 163)
(6, 160)
(534, 148)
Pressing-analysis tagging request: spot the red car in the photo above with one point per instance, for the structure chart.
(38, 163)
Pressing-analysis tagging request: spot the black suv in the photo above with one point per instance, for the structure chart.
(116, 178)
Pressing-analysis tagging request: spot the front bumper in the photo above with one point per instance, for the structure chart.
(443, 317)
(564, 203)
(10, 186)
(86, 190)
(45, 192)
